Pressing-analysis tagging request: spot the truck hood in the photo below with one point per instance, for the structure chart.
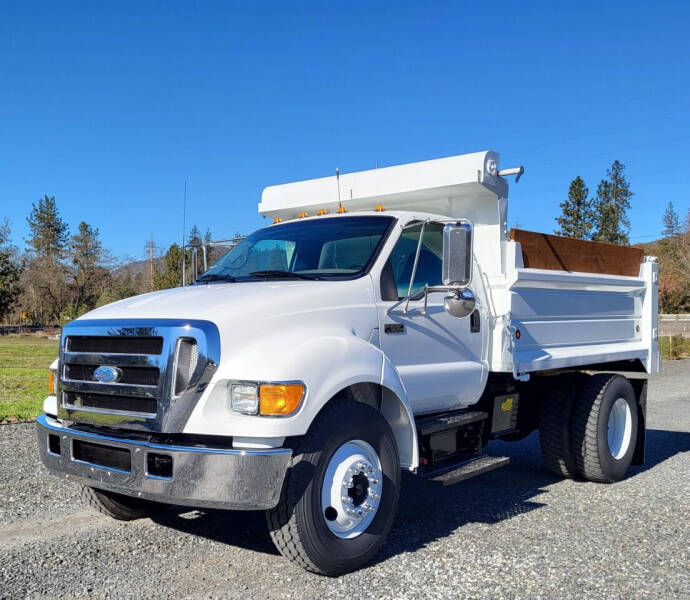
(245, 301)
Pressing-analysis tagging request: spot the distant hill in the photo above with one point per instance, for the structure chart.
(139, 266)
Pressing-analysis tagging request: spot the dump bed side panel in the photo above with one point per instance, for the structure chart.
(569, 319)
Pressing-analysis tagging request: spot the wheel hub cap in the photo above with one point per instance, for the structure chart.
(351, 490)
(619, 428)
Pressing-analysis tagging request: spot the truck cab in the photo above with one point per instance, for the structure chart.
(398, 329)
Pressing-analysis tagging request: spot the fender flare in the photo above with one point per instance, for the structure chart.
(396, 409)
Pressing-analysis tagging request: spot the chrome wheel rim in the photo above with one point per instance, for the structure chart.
(619, 428)
(351, 489)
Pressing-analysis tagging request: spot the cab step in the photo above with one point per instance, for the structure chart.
(450, 439)
(471, 468)
(430, 425)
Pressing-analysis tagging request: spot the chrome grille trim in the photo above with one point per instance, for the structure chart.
(116, 360)
(172, 411)
(114, 389)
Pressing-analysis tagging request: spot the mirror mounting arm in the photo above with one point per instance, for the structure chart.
(414, 266)
(424, 294)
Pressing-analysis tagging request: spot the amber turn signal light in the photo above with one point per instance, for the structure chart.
(280, 398)
(51, 382)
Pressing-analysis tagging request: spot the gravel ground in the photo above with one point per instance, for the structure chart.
(513, 533)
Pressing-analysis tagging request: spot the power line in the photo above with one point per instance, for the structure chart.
(605, 129)
(580, 114)
(620, 150)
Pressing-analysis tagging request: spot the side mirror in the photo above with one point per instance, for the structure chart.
(457, 254)
(460, 304)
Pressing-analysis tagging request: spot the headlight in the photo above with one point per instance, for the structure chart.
(268, 399)
(244, 398)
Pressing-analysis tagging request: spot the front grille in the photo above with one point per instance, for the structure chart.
(111, 403)
(115, 344)
(103, 456)
(132, 375)
(158, 371)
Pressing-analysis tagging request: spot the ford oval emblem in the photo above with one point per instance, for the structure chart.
(107, 374)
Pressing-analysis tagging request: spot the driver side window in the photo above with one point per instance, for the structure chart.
(396, 275)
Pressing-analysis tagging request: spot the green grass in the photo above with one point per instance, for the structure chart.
(677, 347)
(24, 362)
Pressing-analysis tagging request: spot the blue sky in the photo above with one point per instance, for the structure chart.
(110, 107)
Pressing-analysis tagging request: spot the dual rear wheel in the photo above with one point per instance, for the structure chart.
(588, 427)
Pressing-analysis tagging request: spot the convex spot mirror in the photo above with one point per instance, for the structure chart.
(457, 254)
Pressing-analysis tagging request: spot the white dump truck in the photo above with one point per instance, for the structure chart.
(386, 320)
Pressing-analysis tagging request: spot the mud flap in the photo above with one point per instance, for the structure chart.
(640, 387)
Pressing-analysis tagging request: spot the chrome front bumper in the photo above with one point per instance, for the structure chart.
(202, 477)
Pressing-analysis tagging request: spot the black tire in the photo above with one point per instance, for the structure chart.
(589, 438)
(297, 526)
(118, 506)
(554, 426)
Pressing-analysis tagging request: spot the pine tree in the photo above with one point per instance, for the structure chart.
(46, 290)
(194, 236)
(89, 275)
(10, 272)
(172, 276)
(49, 233)
(612, 202)
(577, 219)
(671, 222)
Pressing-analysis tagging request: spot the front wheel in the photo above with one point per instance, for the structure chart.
(341, 491)
(119, 506)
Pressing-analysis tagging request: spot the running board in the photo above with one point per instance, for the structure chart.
(474, 467)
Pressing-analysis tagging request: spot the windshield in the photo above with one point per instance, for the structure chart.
(328, 248)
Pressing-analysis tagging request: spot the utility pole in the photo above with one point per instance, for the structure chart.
(150, 245)
(151, 251)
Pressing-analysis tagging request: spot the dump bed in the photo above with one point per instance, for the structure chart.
(554, 316)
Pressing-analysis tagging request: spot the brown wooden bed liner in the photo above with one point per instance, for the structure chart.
(555, 253)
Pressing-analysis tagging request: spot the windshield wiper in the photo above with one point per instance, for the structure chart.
(215, 277)
(278, 273)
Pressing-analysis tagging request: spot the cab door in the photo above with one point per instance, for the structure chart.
(438, 356)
